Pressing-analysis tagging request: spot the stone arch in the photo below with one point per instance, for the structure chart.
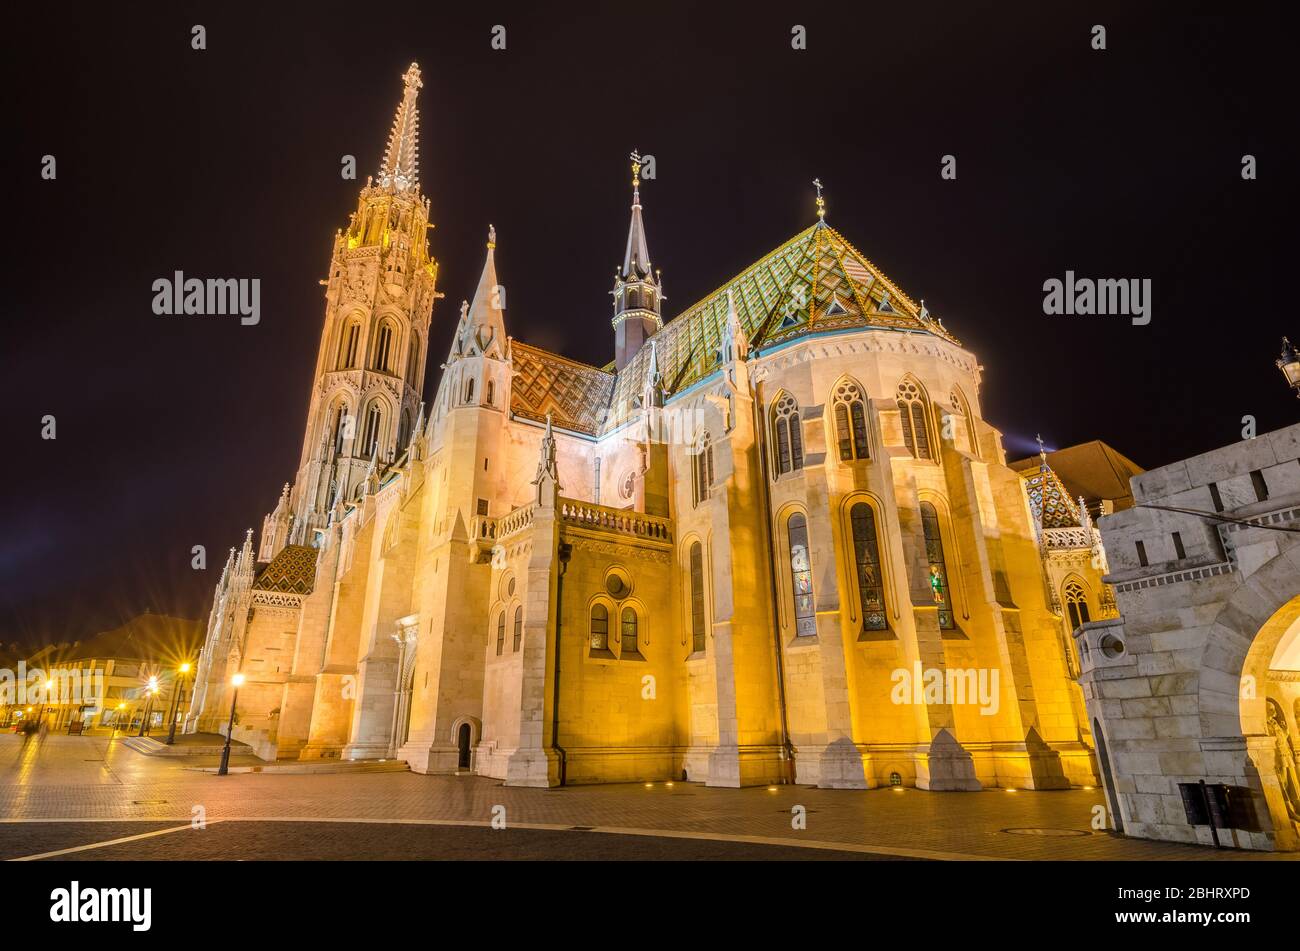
(1234, 668)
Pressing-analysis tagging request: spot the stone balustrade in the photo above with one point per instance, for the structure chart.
(602, 518)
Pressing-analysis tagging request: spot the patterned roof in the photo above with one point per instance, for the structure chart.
(293, 571)
(575, 394)
(814, 282)
(1050, 501)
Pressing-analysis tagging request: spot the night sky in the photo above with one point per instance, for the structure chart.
(176, 431)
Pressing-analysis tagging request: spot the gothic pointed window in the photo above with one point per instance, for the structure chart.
(501, 632)
(404, 430)
(348, 346)
(702, 468)
(340, 428)
(936, 566)
(519, 628)
(413, 359)
(961, 410)
(912, 411)
(599, 627)
(866, 557)
(490, 392)
(384, 348)
(805, 613)
(696, 562)
(469, 390)
(628, 638)
(788, 434)
(850, 422)
(1076, 603)
(370, 437)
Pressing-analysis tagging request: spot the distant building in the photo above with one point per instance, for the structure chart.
(719, 557)
(104, 681)
(1199, 679)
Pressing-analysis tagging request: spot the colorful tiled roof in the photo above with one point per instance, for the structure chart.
(575, 394)
(292, 571)
(815, 282)
(1050, 501)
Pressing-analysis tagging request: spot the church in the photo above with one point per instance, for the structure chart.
(715, 559)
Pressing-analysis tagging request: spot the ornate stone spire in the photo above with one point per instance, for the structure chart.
(735, 344)
(637, 291)
(400, 170)
(484, 329)
(548, 474)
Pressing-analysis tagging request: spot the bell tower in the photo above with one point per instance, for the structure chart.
(638, 290)
(379, 297)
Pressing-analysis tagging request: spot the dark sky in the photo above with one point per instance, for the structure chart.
(174, 432)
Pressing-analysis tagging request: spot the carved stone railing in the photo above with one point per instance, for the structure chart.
(516, 521)
(1055, 539)
(601, 518)
(482, 528)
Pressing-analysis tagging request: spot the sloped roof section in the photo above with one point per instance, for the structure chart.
(815, 282)
(1050, 501)
(292, 571)
(575, 394)
(1094, 470)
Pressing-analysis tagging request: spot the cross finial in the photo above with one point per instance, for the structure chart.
(821, 202)
(1042, 450)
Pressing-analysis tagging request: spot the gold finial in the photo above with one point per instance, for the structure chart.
(821, 202)
(1042, 449)
(492, 237)
(636, 174)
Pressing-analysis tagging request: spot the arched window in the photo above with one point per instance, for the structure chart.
(850, 422)
(370, 437)
(961, 409)
(384, 348)
(341, 428)
(519, 627)
(404, 429)
(702, 468)
(696, 559)
(805, 614)
(348, 345)
(599, 627)
(788, 435)
(491, 391)
(469, 390)
(628, 642)
(912, 414)
(413, 359)
(1076, 603)
(936, 565)
(501, 632)
(866, 556)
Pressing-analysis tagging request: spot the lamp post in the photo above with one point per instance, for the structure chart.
(148, 703)
(117, 720)
(175, 705)
(1289, 364)
(236, 681)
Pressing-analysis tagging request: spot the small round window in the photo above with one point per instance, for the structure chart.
(616, 586)
(510, 588)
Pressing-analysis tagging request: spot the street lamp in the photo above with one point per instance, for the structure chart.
(150, 693)
(117, 720)
(1289, 364)
(236, 681)
(179, 683)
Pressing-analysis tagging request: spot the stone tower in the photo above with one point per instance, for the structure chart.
(638, 291)
(379, 295)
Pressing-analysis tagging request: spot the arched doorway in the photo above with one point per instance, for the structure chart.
(1107, 777)
(462, 745)
(1270, 692)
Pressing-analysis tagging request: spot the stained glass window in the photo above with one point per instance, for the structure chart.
(1076, 601)
(697, 597)
(805, 613)
(789, 435)
(702, 468)
(936, 566)
(850, 422)
(599, 627)
(911, 412)
(866, 552)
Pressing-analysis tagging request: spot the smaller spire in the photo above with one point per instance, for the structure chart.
(483, 321)
(1042, 450)
(735, 344)
(821, 202)
(548, 475)
(401, 169)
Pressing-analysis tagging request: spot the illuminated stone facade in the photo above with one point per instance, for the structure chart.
(723, 557)
(1200, 680)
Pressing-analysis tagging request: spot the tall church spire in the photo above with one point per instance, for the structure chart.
(638, 291)
(483, 330)
(400, 170)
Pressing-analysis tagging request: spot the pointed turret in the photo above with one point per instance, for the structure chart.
(400, 169)
(638, 290)
(483, 331)
(548, 474)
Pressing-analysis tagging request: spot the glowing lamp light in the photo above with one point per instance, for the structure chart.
(153, 683)
(1289, 364)
(49, 685)
(237, 680)
(185, 668)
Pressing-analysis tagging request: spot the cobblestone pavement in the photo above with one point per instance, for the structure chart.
(98, 779)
